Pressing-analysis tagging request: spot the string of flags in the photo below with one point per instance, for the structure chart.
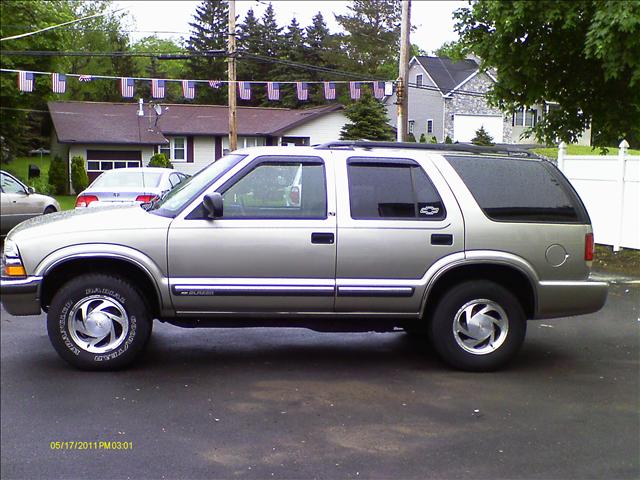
(26, 83)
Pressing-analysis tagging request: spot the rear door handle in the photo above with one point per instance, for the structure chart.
(326, 238)
(441, 239)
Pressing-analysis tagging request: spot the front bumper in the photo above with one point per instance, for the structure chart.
(21, 296)
(564, 299)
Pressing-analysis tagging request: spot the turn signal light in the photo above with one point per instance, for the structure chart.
(85, 200)
(146, 198)
(588, 247)
(14, 271)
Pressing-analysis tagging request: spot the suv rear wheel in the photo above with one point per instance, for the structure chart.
(477, 326)
(98, 322)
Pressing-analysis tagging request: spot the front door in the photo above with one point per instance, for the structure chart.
(273, 250)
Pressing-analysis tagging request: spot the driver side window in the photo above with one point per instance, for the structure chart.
(9, 185)
(278, 190)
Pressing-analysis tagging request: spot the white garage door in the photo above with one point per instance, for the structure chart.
(465, 127)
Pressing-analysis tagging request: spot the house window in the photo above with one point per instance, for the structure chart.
(429, 126)
(419, 80)
(102, 165)
(176, 149)
(412, 124)
(525, 117)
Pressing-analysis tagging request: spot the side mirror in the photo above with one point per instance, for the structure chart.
(30, 190)
(213, 205)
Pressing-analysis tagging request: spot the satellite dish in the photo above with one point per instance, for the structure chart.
(158, 109)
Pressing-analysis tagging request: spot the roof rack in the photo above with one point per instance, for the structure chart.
(508, 150)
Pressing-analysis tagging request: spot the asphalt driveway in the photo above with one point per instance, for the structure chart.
(291, 403)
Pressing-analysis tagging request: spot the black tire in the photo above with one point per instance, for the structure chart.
(49, 209)
(501, 345)
(110, 298)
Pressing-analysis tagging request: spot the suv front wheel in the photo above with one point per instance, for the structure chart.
(98, 322)
(477, 326)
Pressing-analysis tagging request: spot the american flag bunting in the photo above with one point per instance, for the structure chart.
(378, 90)
(244, 89)
(85, 78)
(273, 90)
(215, 83)
(189, 89)
(157, 88)
(58, 82)
(329, 90)
(354, 89)
(127, 87)
(388, 88)
(26, 81)
(302, 88)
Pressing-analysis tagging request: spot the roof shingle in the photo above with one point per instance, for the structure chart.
(446, 73)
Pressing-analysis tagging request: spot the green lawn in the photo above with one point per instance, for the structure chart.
(67, 202)
(19, 166)
(552, 152)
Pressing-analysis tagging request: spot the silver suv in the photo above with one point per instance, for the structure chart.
(462, 243)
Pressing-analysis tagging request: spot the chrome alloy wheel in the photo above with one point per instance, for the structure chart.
(98, 324)
(480, 326)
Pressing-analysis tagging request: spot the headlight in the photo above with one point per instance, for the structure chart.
(11, 261)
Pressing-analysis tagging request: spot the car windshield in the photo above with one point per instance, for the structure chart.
(124, 178)
(184, 193)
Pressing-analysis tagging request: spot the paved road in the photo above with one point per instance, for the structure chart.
(297, 404)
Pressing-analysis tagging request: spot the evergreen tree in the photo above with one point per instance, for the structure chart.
(271, 33)
(322, 49)
(293, 49)
(372, 36)
(482, 138)
(209, 31)
(368, 120)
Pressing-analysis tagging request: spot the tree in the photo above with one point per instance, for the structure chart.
(585, 55)
(79, 178)
(368, 120)
(372, 39)
(209, 31)
(482, 137)
(58, 175)
(153, 68)
(160, 160)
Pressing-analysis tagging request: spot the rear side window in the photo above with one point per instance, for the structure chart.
(516, 190)
(389, 189)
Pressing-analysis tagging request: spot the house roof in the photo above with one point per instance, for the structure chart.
(446, 73)
(118, 123)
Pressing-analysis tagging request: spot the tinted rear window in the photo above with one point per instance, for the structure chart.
(516, 190)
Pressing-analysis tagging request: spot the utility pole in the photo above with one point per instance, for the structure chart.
(402, 91)
(231, 54)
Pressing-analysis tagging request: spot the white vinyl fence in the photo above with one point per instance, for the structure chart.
(609, 186)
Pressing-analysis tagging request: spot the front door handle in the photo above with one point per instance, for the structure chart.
(441, 239)
(326, 238)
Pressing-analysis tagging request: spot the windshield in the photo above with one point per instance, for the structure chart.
(123, 178)
(184, 193)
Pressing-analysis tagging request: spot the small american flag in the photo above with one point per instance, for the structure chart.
(25, 81)
(273, 90)
(58, 82)
(354, 89)
(215, 83)
(127, 87)
(245, 90)
(157, 88)
(378, 90)
(189, 89)
(85, 78)
(303, 91)
(329, 90)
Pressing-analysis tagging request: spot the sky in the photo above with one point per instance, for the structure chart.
(432, 19)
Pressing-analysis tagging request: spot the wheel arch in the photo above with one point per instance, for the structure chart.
(57, 273)
(513, 278)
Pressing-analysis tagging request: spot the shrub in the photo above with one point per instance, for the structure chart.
(482, 138)
(423, 138)
(58, 176)
(160, 160)
(40, 185)
(411, 138)
(448, 139)
(79, 177)
(433, 139)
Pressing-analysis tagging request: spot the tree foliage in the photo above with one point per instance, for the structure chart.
(368, 120)
(584, 54)
(79, 177)
(58, 175)
(160, 160)
(482, 138)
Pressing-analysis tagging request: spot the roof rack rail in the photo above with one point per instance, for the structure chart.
(508, 150)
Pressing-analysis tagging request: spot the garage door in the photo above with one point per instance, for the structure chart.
(100, 160)
(465, 127)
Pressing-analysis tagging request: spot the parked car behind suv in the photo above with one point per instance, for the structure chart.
(463, 243)
(19, 202)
